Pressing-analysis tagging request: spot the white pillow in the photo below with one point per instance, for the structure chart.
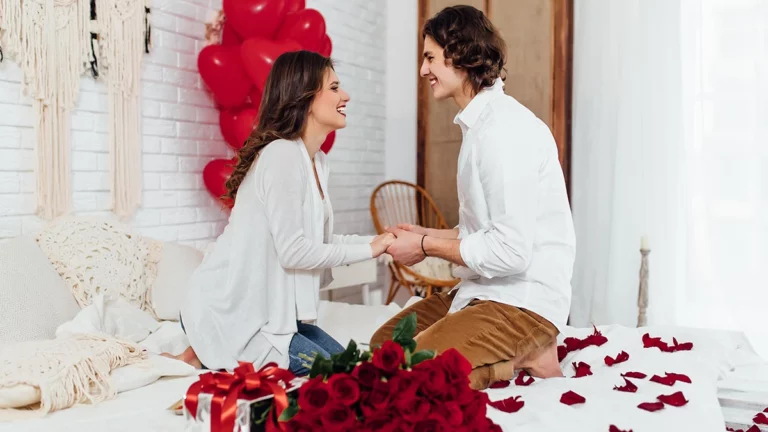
(173, 271)
(34, 300)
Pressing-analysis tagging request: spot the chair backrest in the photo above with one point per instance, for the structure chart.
(396, 201)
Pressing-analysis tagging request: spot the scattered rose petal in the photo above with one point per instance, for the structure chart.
(562, 352)
(656, 342)
(499, 385)
(628, 387)
(620, 358)
(760, 418)
(571, 398)
(753, 428)
(582, 369)
(651, 406)
(574, 344)
(508, 405)
(765, 410)
(523, 379)
(615, 429)
(637, 375)
(675, 399)
(670, 379)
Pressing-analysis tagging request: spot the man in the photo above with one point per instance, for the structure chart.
(515, 242)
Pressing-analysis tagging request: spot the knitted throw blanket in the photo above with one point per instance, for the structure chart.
(67, 370)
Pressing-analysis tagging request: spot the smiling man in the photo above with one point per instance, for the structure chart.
(515, 243)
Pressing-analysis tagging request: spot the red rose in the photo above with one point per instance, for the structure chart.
(301, 424)
(378, 399)
(451, 412)
(406, 383)
(314, 395)
(475, 411)
(344, 389)
(366, 374)
(412, 409)
(338, 417)
(389, 357)
(486, 425)
(384, 422)
(435, 382)
(433, 423)
(456, 365)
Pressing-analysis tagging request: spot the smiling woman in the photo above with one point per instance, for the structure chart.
(248, 298)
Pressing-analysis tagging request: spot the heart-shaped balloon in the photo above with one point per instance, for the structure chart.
(255, 97)
(294, 5)
(326, 46)
(222, 70)
(259, 54)
(236, 125)
(229, 37)
(328, 143)
(215, 175)
(306, 27)
(254, 18)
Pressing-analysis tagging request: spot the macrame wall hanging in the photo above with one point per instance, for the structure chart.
(54, 42)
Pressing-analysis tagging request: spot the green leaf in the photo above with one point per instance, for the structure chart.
(349, 354)
(421, 356)
(365, 356)
(289, 412)
(405, 329)
(320, 366)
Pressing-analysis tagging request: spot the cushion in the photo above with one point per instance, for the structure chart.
(177, 263)
(34, 300)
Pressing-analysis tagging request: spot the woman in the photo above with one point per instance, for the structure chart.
(248, 298)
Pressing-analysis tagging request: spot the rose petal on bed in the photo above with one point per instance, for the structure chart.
(562, 352)
(628, 387)
(582, 369)
(651, 406)
(650, 342)
(667, 380)
(753, 428)
(675, 399)
(637, 375)
(760, 418)
(765, 410)
(572, 398)
(613, 428)
(685, 346)
(508, 405)
(523, 379)
(499, 385)
(573, 344)
(596, 338)
(620, 358)
(679, 377)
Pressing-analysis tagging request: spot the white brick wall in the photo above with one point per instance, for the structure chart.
(181, 133)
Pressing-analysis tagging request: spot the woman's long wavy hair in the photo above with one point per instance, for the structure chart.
(295, 79)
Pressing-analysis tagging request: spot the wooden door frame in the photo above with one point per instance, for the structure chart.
(561, 81)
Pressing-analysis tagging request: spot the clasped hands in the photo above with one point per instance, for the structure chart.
(403, 243)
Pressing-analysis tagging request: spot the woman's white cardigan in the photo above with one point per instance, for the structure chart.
(266, 268)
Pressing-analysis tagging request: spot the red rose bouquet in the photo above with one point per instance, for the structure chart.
(392, 388)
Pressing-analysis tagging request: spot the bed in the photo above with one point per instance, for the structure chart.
(729, 385)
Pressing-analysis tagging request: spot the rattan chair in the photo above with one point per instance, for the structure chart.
(395, 202)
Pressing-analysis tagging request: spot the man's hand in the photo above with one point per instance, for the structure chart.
(380, 243)
(406, 249)
(416, 229)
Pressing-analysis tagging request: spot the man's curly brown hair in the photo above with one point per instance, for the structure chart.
(470, 42)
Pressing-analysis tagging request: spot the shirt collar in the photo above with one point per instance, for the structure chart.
(469, 115)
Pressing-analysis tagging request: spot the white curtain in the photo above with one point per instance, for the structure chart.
(670, 140)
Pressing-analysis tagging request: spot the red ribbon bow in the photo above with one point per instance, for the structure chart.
(244, 383)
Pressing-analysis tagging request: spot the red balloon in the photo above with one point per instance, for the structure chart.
(236, 125)
(328, 143)
(223, 72)
(255, 18)
(326, 47)
(258, 55)
(229, 37)
(215, 176)
(306, 27)
(255, 97)
(294, 5)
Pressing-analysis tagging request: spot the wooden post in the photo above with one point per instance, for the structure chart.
(642, 295)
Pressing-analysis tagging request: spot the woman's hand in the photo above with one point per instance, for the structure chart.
(381, 242)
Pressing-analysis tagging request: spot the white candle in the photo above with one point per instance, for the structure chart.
(644, 242)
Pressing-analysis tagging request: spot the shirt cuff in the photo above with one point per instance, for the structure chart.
(359, 252)
(469, 248)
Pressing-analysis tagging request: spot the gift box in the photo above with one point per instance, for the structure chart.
(245, 400)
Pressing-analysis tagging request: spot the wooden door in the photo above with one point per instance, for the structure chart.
(538, 37)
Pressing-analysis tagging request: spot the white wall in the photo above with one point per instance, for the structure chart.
(181, 132)
(402, 73)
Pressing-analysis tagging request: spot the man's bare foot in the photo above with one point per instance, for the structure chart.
(188, 356)
(542, 363)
